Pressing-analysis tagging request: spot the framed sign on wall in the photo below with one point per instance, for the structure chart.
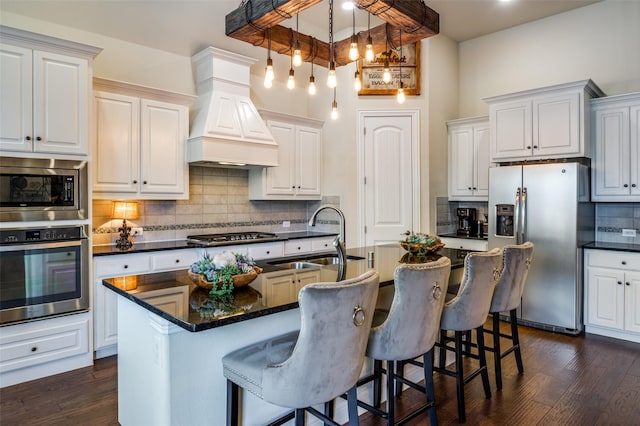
(371, 72)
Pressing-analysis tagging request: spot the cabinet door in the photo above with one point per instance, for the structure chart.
(280, 289)
(461, 152)
(634, 144)
(308, 164)
(510, 130)
(281, 180)
(60, 103)
(556, 125)
(632, 302)
(15, 98)
(304, 278)
(481, 140)
(116, 143)
(611, 157)
(105, 311)
(162, 145)
(606, 297)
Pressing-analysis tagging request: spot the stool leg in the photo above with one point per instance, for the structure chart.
(516, 340)
(482, 356)
(299, 416)
(377, 382)
(352, 403)
(427, 361)
(497, 352)
(399, 373)
(443, 351)
(328, 410)
(460, 377)
(233, 391)
(391, 398)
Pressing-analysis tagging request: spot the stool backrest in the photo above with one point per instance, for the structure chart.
(508, 292)
(413, 322)
(470, 307)
(329, 353)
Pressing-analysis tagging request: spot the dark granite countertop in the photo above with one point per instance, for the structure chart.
(182, 244)
(202, 312)
(454, 235)
(599, 245)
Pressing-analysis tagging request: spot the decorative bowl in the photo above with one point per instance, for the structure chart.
(239, 280)
(418, 249)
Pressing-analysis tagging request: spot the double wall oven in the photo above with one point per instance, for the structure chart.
(44, 245)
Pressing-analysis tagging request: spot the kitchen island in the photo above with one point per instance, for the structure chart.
(172, 336)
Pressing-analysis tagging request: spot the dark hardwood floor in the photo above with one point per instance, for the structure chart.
(584, 380)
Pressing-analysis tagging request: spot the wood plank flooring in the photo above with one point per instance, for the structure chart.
(584, 380)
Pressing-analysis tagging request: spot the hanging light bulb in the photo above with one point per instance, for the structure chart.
(334, 107)
(353, 47)
(331, 77)
(291, 81)
(297, 53)
(400, 97)
(369, 52)
(386, 72)
(312, 79)
(332, 80)
(357, 84)
(312, 85)
(268, 71)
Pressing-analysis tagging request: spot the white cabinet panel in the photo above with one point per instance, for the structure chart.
(469, 159)
(266, 250)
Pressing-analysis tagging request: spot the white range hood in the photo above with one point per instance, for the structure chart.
(227, 128)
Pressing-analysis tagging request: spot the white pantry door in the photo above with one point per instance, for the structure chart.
(389, 156)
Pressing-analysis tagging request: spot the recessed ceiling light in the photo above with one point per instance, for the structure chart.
(348, 5)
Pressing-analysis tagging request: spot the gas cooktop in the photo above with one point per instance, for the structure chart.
(231, 237)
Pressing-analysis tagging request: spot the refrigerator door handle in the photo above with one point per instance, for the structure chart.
(516, 217)
(523, 223)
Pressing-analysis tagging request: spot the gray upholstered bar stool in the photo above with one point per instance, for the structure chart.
(315, 365)
(409, 330)
(506, 298)
(468, 311)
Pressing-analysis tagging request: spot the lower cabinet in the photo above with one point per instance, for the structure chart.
(45, 347)
(612, 294)
(284, 288)
(465, 243)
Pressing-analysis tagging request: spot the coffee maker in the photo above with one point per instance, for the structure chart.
(466, 222)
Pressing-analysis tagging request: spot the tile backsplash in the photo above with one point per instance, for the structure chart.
(446, 219)
(612, 218)
(218, 202)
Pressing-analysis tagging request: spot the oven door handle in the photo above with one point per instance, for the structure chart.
(37, 246)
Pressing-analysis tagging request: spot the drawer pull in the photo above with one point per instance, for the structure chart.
(177, 260)
(126, 266)
(627, 283)
(33, 349)
(624, 262)
(619, 282)
(268, 252)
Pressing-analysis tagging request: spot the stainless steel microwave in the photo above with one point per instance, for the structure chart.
(42, 189)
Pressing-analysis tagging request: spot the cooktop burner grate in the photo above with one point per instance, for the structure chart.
(231, 237)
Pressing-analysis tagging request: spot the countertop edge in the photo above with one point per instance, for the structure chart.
(599, 245)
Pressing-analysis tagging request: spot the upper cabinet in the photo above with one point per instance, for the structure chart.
(551, 122)
(44, 94)
(616, 139)
(469, 159)
(299, 173)
(139, 136)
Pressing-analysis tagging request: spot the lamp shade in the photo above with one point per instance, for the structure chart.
(125, 210)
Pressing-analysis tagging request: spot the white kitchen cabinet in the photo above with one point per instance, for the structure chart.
(469, 159)
(550, 122)
(616, 138)
(612, 294)
(298, 175)
(282, 288)
(139, 143)
(465, 243)
(45, 347)
(44, 94)
(266, 250)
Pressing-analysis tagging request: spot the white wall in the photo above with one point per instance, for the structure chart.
(600, 41)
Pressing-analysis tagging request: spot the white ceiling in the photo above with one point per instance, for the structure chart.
(186, 26)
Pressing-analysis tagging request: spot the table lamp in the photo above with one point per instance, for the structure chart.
(125, 210)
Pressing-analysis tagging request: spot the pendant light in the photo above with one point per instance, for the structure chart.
(291, 81)
(312, 80)
(268, 72)
(297, 53)
(353, 47)
(369, 52)
(400, 96)
(357, 84)
(331, 77)
(334, 106)
(386, 71)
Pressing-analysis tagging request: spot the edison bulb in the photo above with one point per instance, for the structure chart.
(297, 55)
(291, 81)
(312, 85)
(353, 49)
(334, 111)
(357, 85)
(369, 52)
(386, 72)
(400, 96)
(331, 77)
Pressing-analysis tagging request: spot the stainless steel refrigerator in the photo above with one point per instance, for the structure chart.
(547, 204)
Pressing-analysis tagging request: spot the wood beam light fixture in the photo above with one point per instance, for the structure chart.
(257, 22)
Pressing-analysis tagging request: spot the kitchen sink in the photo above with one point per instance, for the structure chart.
(312, 262)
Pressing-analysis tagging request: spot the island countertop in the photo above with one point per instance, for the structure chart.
(174, 297)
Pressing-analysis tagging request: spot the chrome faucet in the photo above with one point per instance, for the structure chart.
(339, 241)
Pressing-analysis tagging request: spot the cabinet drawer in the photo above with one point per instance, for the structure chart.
(465, 244)
(613, 259)
(122, 265)
(297, 246)
(172, 300)
(322, 244)
(43, 341)
(266, 250)
(175, 260)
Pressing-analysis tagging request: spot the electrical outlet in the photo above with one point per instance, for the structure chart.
(628, 232)
(137, 231)
(286, 223)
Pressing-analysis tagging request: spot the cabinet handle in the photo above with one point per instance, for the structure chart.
(144, 182)
(268, 252)
(633, 185)
(28, 138)
(474, 188)
(469, 188)
(299, 248)
(293, 187)
(135, 181)
(528, 146)
(535, 147)
(177, 260)
(33, 349)
(619, 282)
(298, 186)
(627, 283)
(626, 185)
(126, 266)
(624, 262)
(38, 138)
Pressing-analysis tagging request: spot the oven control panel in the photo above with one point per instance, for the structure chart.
(34, 235)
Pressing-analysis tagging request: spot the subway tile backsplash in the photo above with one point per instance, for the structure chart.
(218, 202)
(612, 218)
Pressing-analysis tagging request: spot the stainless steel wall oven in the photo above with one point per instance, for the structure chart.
(42, 189)
(43, 272)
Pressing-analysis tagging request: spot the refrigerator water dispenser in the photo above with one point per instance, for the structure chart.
(504, 220)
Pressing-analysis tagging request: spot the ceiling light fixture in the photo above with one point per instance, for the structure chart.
(386, 71)
(268, 72)
(297, 53)
(400, 96)
(369, 52)
(348, 5)
(331, 77)
(291, 81)
(353, 46)
(312, 80)
(357, 84)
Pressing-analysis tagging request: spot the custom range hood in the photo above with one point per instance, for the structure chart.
(227, 129)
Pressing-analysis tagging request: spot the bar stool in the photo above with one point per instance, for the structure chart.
(315, 365)
(506, 298)
(409, 330)
(468, 311)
